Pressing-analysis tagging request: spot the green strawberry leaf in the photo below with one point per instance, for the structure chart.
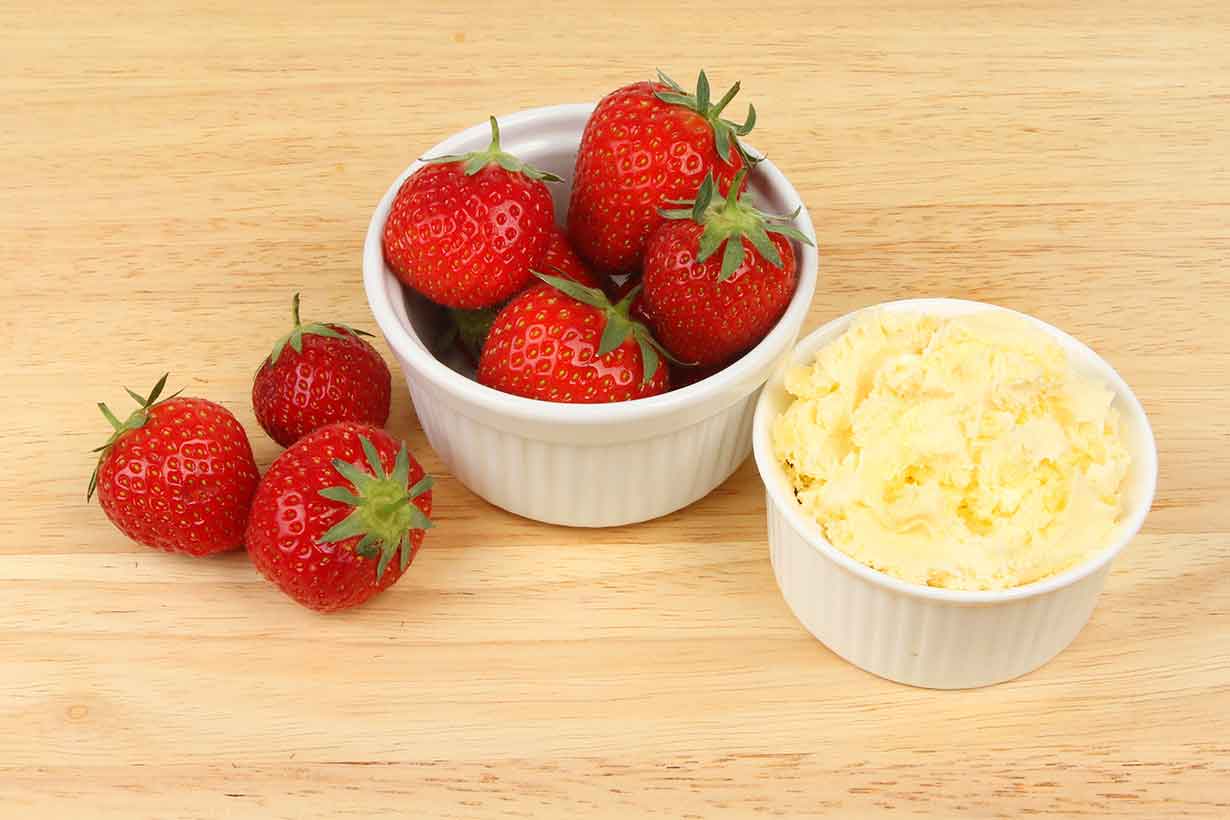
(709, 242)
(109, 416)
(340, 494)
(368, 546)
(386, 556)
(725, 132)
(405, 548)
(748, 124)
(667, 81)
(702, 92)
(401, 467)
(733, 258)
(348, 527)
(721, 139)
(373, 458)
(359, 478)
(763, 245)
(613, 335)
(582, 293)
(649, 359)
(421, 486)
(790, 231)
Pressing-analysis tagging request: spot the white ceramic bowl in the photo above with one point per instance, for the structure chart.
(923, 636)
(581, 465)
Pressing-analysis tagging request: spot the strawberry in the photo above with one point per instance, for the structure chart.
(333, 512)
(709, 308)
(177, 474)
(472, 326)
(328, 374)
(465, 230)
(562, 341)
(644, 145)
(561, 260)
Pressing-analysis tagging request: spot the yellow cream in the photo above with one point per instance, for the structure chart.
(963, 453)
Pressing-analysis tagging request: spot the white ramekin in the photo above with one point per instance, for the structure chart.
(579, 465)
(923, 636)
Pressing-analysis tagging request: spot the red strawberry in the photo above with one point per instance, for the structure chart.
(466, 230)
(707, 308)
(472, 326)
(328, 374)
(177, 475)
(561, 341)
(645, 145)
(333, 512)
(561, 260)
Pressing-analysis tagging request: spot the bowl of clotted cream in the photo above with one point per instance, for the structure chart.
(947, 484)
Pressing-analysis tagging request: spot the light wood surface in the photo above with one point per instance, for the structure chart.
(171, 174)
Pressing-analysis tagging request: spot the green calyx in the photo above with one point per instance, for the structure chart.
(383, 515)
(300, 329)
(471, 327)
(135, 421)
(733, 218)
(476, 161)
(725, 133)
(619, 324)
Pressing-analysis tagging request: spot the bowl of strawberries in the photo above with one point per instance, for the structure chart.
(586, 300)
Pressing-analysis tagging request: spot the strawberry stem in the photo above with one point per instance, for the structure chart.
(135, 421)
(725, 132)
(495, 136)
(298, 330)
(726, 98)
(729, 220)
(382, 515)
(475, 161)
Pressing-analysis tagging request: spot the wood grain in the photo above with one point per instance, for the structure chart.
(173, 172)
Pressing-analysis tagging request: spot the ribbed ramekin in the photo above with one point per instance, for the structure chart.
(580, 465)
(924, 636)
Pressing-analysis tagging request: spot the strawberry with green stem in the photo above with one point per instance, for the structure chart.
(177, 474)
(644, 145)
(562, 341)
(319, 374)
(708, 307)
(465, 229)
(339, 516)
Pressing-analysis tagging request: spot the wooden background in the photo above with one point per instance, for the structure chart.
(171, 174)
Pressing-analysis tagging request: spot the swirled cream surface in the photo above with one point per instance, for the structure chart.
(959, 452)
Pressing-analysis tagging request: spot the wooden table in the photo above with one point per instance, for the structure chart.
(171, 175)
